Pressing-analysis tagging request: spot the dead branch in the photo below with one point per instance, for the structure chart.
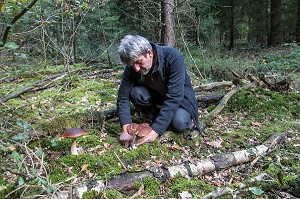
(29, 86)
(8, 79)
(270, 82)
(225, 99)
(44, 82)
(212, 86)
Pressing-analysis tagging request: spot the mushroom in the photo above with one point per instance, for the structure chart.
(132, 128)
(74, 133)
(138, 131)
(143, 130)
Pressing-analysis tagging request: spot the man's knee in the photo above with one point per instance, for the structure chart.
(139, 95)
(181, 120)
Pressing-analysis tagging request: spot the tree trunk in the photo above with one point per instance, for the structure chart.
(231, 44)
(168, 35)
(275, 28)
(298, 24)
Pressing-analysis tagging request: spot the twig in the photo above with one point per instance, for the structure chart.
(138, 193)
(120, 161)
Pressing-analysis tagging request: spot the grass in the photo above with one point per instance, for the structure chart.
(34, 159)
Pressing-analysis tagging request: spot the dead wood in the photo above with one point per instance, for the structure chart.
(197, 168)
(271, 81)
(226, 98)
(41, 83)
(213, 86)
(30, 86)
(225, 160)
(209, 97)
(8, 79)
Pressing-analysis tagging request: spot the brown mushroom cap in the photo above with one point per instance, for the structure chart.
(132, 128)
(73, 133)
(143, 130)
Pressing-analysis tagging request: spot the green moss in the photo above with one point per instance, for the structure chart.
(194, 186)
(6, 188)
(78, 120)
(109, 194)
(266, 103)
(59, 124)
(151, 186)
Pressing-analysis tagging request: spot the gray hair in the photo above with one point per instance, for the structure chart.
(131, 47)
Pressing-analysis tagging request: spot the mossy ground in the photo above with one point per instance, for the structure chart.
(31, 123)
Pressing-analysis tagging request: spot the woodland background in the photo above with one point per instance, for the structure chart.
(59, 68)
(90, 31)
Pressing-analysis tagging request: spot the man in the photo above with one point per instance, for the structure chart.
(155, 76)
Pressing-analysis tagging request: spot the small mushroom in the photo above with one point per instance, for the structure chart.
(74, 133)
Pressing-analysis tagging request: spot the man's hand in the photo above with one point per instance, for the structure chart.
(148, 138)
(125, 138)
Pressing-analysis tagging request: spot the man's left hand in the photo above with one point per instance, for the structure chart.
(148, 138)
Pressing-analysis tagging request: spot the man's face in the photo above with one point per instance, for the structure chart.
(142, 64)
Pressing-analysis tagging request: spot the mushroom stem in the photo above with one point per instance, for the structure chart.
(74, 149)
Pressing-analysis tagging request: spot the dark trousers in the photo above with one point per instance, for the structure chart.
(146, 101)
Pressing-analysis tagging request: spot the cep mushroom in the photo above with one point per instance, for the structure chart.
(138, 131)
(74, 133)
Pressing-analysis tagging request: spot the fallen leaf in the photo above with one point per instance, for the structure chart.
(257, 124)
(84, 167)
(215, 144)
(176, 147)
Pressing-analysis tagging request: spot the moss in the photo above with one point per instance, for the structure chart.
(113, 128)
(110, 166)
(61, 123)
(151, 186)
(109, 194)
(6, 188)
(78, 120)
(265, 103)
(194, 186)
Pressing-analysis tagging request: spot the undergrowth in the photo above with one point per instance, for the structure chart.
(34, 160)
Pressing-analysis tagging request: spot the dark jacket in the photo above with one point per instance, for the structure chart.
(180, 92)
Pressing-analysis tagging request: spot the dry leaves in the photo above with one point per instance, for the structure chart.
(84, 168)
(215, 144)
(256, 124)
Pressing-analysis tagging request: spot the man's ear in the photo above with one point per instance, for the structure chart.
(150, 53)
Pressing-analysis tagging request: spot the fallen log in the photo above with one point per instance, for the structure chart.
(213, 86)
(197, 168)
(43, 82)
(226, 98)
(27, 88)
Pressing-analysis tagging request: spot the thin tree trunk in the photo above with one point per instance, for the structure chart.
(231, 44)
(275, 28)
(168, 36)
(298, 23)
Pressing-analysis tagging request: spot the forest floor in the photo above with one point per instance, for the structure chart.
(36, 162)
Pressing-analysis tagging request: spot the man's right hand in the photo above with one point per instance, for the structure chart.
(125, 138)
